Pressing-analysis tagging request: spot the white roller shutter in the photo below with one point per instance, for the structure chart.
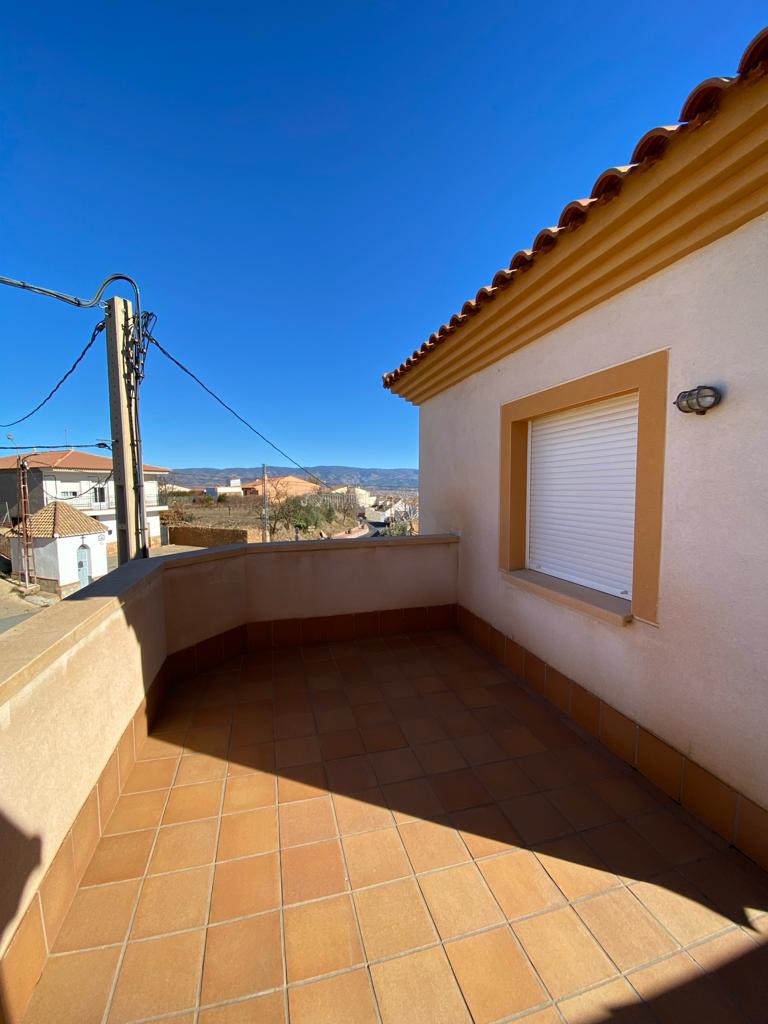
(581, 494)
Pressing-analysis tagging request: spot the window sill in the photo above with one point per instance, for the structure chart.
(591, 602)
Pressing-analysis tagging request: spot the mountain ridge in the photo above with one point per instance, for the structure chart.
(370, 477)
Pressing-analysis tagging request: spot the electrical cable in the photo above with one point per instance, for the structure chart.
(30, 448)
(96, 331)
(82, 494)
(237, 415)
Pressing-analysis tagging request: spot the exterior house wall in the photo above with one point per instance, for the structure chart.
(698, 680)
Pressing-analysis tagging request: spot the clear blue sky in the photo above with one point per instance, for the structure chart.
(304, 191)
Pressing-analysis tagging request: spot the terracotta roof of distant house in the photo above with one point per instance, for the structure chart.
(700, 106)
(69, 459)
(58, 519)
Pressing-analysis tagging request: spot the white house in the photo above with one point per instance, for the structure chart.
(233, 489)
(85, 482)
(69, 549)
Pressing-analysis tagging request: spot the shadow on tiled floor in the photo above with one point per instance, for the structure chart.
(394, 831)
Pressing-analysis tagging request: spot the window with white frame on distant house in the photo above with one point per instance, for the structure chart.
(100, 495)
(582, 470)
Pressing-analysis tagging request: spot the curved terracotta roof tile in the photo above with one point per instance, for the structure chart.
(654, 142)
(701, 103)
(705, 98)
(755, 54)
(574, 213)
(610, 181)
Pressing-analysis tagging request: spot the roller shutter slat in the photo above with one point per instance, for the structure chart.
(581, 494)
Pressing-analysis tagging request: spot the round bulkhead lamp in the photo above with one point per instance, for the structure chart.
(698, 399)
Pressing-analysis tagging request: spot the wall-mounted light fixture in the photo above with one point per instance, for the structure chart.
(698, 400)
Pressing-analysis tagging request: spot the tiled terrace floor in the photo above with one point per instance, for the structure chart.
(393, 831)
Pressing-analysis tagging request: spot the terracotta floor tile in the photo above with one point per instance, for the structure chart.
(419, 989)
(679, 992)
(247, 792)
(147, 775)
(383, 736)
(459, 790)
(616, 1000)
(432, 844)
(184, 846)
(550, 769)
(374, 857)
(246, 886)
(74, 989)
(362, 812)
(582, 807)
(247, 833)
(157, 747)
(396, 766)
(520, 884)
(136, 811)
(680, 907)
(393, 919)
(214, 740)
(266, 1009)
(307, 821)
(294, 752)
(519, 741)
(440, 756)
(188, 803)
(345, 999)
(626, 796)
(321, 938)
(625, 852)
(313, 871)
(372, 714)
(735, 886)
(173, 902)
(98, 916)
(459, 901)
(118, 858)
(350, 774)
(422, 730)
(345, 743)
(575, 867)
(547, 1016)
(414, 798)
(481, 749)
(251, 757)
(740, 967)
(485, 830)
(200, 768)
(677, 842)
(535, 819)
(494, 975)
(624, 928)
(563, 952)
(503, 780)
(242, 958)
(301, 783)
(335, 719)
(294, 726)
(158, 976)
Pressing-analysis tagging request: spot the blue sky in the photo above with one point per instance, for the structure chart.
(304, 192)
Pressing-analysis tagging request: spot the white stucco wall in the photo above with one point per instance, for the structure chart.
(699, 680)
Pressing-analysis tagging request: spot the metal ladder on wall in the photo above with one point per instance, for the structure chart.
(29, 572)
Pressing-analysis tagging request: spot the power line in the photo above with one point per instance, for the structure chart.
(49, 447)
(237, 415)
(97, 329)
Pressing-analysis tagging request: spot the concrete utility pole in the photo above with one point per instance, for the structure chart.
(126, 468)
(265, 503)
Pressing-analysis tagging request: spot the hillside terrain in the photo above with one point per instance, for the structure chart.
(371, 478)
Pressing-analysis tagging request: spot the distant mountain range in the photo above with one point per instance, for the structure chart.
(370, 478)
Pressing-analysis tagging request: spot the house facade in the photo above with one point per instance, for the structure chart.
(82, 480)
(619, 544)
(69, 549)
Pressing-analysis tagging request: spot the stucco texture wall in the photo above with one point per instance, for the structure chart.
(700, 679)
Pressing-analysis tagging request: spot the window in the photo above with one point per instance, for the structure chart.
(100, 495)
(581, 494)
(68, 494)
(582, 470)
